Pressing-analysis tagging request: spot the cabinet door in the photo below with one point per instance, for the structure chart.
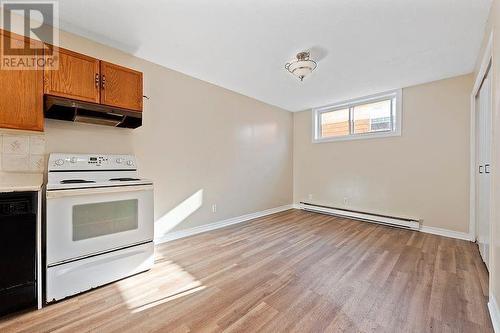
(77, 77)
(21, 93)
(121, 87)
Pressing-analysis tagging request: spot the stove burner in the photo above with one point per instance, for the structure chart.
(76, 181)
(123, 179)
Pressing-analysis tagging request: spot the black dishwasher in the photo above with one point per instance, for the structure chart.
(17, 251)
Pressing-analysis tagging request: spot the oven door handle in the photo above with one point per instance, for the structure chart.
(100, 190)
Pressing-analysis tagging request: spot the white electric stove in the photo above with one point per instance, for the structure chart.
(99, 222)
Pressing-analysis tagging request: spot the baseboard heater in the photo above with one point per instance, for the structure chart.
(393, 221)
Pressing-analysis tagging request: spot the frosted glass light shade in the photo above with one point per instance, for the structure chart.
(301, 67)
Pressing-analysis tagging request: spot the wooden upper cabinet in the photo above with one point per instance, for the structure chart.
(121, 87)
(21, 93)
(77, 77)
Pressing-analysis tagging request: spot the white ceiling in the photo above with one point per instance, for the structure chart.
(362, 46)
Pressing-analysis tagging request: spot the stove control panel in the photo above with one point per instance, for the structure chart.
(98, 160)
(82, 162)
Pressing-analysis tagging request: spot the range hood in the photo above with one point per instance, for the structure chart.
(91, 113)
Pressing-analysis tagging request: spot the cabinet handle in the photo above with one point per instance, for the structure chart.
(486, 170)
(97, 80)
(480, 169)
(103, 81)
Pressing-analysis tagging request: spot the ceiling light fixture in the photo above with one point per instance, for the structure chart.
(301, 67)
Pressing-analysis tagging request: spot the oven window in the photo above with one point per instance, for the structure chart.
(104, 218)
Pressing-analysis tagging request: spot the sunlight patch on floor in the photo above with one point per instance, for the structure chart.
(167, 299)
(173, 283)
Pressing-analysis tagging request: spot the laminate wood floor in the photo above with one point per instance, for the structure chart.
(293, 271)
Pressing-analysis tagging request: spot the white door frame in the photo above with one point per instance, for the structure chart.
(485, 62)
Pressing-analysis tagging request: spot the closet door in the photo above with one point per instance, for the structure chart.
(483, 165)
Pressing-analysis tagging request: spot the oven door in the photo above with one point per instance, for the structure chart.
(85, 222)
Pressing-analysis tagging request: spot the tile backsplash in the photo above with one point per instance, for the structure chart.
(22, 152)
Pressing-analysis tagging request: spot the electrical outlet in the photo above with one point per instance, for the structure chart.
(310, 196)
(346, 201)
(214, 208)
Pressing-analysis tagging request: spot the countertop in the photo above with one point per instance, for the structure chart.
(17, 182)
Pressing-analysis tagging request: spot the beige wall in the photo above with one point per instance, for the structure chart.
(422, 174)
(494, 26)
(196, 136)
(198, 139)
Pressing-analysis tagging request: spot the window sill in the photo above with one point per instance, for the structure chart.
(358, 137)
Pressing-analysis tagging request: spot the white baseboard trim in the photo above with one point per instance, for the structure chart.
(446, 233)
(220, 224)
(243, 218)
(494, 314)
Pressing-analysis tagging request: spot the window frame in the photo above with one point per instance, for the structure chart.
(350, 104)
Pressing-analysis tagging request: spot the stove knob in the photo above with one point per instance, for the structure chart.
(59, 162)
(119, 160)
(130, 163)
(73, 160)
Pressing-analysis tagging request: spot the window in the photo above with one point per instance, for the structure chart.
(368, 117)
